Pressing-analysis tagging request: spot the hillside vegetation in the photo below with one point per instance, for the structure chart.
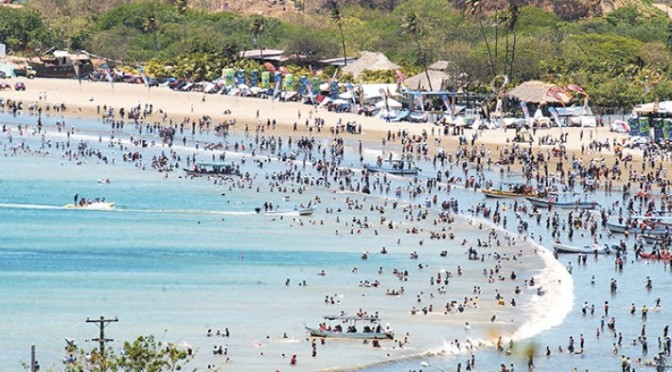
(620, 57)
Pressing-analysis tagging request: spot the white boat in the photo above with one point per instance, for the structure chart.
(307, 211)
(93, 206)
(373, 331)
(587, 249)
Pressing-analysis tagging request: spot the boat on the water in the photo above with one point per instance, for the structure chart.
(512, 192)
(397, 167)
(92, 206)
(308, 211)
(373, 330)
(664, 255)
(648, 227)
(554, 201)
(587, 249)
(212, 169)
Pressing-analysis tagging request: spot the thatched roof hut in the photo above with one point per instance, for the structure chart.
(419, 81)
(538, 92)
(369, 61)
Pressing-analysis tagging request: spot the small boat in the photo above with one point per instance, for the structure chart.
(501, 194)
(307, 211)
(104, 180)
(212, 169)
(664, 256)
(553, 202)
(587, 249)
(372, 331)
(397, 167)
(661, 239)
(93, 206)
(620, 228)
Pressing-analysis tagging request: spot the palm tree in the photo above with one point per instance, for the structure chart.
(181, 7)
(476, 7)
(411, 26)
(151, 24)
(511, 26)
(335, 15)
(257, 27)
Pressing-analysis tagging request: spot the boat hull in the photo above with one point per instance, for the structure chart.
(97, 206)
(619, 228)
(396, 171)
(562, 248)
(650, 256)
(543, 203)
(500, 194)
(314, 332)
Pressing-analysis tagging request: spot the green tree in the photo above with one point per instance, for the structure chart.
(258, 27)
(475, 7)
(335, 15)
(411, 26)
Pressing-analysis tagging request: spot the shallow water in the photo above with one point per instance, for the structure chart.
(181, 256)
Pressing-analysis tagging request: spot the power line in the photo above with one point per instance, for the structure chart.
(102, 323)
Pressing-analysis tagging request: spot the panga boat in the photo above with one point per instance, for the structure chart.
(93, 206)
(587, 249)
(519, 190)
(212, 169)
(372, 331)
(398, 167)
(553, 202)
(307, 211)
(664, 255)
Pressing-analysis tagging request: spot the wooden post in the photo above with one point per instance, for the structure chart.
(33, 362)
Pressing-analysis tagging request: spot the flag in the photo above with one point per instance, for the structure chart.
(311, 95)
(558, 93)
(446, 101)
(351, 90)
(145, 80)
(576, 89)
(400, 76)
(108, 75)
(499, 108)
(269, 66)
(526, 112)
(277, 80)
(555, 115)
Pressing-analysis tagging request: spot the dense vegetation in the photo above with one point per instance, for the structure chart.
(620, 58)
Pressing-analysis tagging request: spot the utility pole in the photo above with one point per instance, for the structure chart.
(102, 322)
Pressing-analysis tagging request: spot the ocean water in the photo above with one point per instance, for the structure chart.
(179, 256)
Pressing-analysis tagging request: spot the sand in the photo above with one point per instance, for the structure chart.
(83, 99)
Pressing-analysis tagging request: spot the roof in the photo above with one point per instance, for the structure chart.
(257, 53)
(373, 61)
(536, 92)
(338, 61)
(419, 81)
(439, 65)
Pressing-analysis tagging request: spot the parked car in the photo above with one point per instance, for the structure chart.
(19, 86)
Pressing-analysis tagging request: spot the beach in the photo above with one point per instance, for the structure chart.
(188, 255)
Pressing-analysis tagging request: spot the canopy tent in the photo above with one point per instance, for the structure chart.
(7, 69)
(538, 92)
(372, 61)
(391, 103)
(654, 107)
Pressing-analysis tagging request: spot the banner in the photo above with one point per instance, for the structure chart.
(526, 113)
(644, 128)
(289, 82)
(634, 126)
(315, 85)
(446, 101)
(254, 78)
(240, 77)
(333, 90)
(301, 86)
(351, 90)
(265, 79)
(228, 77)
(145, 80)
(667, 129)
(658, 133)
(556, 117)
(277, 83)
(108, 75)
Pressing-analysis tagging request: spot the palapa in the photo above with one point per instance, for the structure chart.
(419, 81)
(537, 92)
(369, 61)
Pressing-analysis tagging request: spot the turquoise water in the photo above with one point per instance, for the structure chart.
(177, 257)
